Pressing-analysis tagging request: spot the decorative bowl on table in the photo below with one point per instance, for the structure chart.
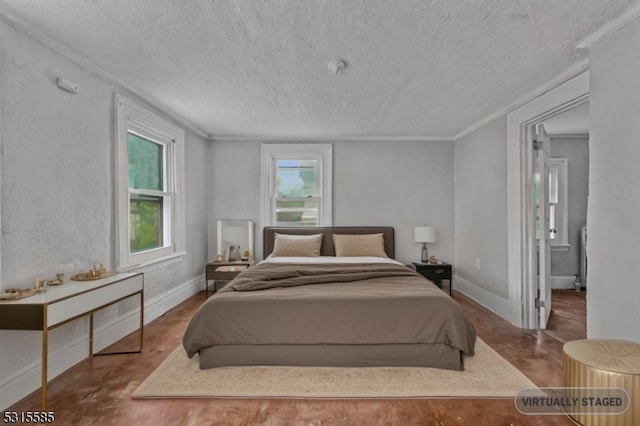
(17, 293)
(95, 273)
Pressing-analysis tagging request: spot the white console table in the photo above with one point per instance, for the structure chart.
(63, 303)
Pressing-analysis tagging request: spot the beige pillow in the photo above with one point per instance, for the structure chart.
(359, 245)
(286, 245)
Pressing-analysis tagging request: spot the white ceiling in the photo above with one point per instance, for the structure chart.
(414, 68)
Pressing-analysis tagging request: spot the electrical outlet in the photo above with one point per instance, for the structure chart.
(477, 263)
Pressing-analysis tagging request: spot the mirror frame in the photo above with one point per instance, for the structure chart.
(247, 224)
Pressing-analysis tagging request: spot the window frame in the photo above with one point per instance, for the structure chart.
(271, 153)
(131, 117)
(561, 242)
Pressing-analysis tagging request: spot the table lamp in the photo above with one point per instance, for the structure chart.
(424, 235)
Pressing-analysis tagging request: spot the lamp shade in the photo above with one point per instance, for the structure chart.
(424, 234)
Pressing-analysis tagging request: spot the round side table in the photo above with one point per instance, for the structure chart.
(600, 363)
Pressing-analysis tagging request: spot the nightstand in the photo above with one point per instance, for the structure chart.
(435, 272)
(223, 271)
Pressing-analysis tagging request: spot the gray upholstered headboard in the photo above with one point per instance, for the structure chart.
(327, 241)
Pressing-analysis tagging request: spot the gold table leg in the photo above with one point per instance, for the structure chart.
(45, 356)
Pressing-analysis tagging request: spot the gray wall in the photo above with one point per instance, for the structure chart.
(481, 214)
(400, 184)
(58, 199)
(576, 150)
(613, 222)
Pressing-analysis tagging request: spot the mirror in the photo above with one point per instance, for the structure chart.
(234, 233)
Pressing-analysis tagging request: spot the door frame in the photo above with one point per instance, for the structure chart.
(521, 242)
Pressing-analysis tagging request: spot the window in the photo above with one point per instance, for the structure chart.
(558, 203)
(150, 192)
(296, 184)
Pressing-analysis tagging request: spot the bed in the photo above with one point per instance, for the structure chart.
(342, 301)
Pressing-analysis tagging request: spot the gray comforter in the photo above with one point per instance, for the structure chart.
(329, 304)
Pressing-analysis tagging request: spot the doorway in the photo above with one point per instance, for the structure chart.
(569, 186)
(522, 250)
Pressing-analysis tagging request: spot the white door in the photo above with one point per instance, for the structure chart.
(542, 170)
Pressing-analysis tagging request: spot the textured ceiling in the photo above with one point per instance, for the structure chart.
(414, 68)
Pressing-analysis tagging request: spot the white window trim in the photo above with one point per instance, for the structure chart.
(272, 152)
(131, 116)
(561, 242)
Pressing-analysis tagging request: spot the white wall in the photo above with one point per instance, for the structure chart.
(481, 215)
(576, 150)
(57, 189)
(399, 184)
(613, 222)
(234, 187)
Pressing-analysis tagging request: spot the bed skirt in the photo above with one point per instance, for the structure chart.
(436, 355)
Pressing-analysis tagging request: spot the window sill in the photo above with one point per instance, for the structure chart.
(150, 265)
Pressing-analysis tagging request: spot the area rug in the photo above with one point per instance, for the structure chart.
(486, 374)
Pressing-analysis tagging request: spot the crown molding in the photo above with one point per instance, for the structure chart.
(610, 27)
(285, 139)
(571, 72)
(91, 67)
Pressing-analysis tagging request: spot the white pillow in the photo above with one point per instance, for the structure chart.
(359, 245)
(287, 245)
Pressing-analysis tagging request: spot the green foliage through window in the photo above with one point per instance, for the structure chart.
(146, 223)
(146, 174)
(145, 163)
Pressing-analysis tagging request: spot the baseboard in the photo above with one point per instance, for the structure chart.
(27, 379)
(562, 282)
(495, 303)
(160, 304)
(153, 308)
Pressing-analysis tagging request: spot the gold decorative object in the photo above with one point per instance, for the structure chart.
(433, 259)
(89, 276)
(95, 273)
(245, 256)
(58, 281)
(17, 293)
(41, 285)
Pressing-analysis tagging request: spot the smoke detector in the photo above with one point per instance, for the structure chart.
(336, 65)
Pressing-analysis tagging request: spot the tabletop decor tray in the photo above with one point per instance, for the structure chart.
(15, 293)
(90, 276)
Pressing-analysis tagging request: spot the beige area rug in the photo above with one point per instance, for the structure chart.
(486, 374)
